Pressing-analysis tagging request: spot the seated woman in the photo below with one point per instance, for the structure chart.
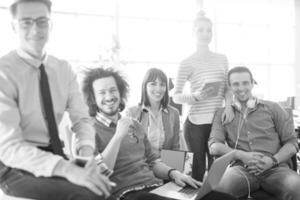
(123, 142)
(159, 119)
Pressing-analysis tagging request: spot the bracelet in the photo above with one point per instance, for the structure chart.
(104, 169)
(169, 174)
(275, 161)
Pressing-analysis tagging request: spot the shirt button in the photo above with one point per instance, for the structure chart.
(248, 132)
(250, 142)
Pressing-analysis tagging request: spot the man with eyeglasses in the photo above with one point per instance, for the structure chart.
(35, 91)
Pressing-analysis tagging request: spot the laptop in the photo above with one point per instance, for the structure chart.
(215, 174)
(177, 159)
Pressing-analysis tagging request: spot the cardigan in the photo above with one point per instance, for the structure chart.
(171, 123)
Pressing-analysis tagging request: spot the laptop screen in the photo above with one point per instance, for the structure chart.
(180, 160)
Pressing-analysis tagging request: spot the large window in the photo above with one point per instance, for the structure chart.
(156, 33)
(140, 34)
(261, 35)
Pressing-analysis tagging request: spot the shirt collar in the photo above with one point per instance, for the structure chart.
(147, 109)
(105, 120)
(258, 101)
(30, 60)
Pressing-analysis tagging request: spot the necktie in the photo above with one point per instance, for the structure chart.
(48, 109)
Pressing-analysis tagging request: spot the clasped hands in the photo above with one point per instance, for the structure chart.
(256, 162)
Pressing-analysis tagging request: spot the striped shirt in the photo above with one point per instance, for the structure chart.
(199, 70)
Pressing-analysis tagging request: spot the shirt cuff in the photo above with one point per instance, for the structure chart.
(293, 142)
(215, 140)
(55, 159)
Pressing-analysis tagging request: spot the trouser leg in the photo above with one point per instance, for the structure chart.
(282, 182)
(19, 183)
(196, 137)
(238, 182)
(214, 195)
(205, 130)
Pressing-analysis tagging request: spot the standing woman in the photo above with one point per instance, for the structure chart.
(202, 67)
(161, 121)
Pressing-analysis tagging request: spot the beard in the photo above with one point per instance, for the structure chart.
(111, 113)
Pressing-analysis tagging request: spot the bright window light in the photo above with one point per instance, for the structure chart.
(140, 34)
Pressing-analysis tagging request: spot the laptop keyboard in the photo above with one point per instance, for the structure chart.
(188, 190)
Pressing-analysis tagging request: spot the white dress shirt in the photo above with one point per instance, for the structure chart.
(22, 121)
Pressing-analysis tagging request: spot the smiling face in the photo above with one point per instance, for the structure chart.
(241, 85)
(32, 38)
(203, 32)
(107, 96)
(156, 91)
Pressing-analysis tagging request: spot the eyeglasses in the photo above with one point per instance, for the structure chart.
(41, 22)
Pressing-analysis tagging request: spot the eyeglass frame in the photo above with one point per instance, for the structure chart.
(38, 21)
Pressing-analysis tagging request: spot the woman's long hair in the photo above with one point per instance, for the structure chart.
(151, 76)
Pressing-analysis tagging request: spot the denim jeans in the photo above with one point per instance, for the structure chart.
(196, 137)
(19, 183)
(281, 181)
